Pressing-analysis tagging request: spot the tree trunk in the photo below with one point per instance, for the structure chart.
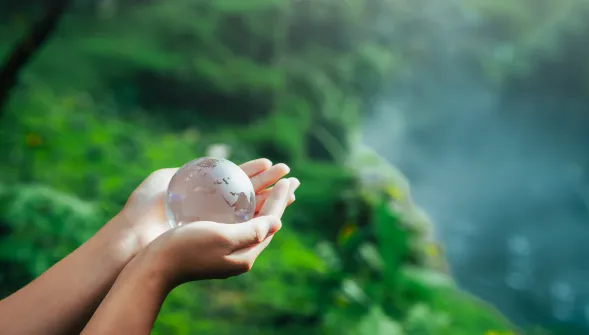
(27, 47)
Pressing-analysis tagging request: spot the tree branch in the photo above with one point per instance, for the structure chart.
(27, 47)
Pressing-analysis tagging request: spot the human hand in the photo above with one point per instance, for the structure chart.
(195, 251)
(211, 250)
(144, 214)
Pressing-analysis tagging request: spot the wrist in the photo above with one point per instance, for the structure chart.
(133, 302)
(150, 267)
(122, 238)
(133, 244)
(143, 225)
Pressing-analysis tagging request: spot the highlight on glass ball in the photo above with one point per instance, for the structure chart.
(210, 189)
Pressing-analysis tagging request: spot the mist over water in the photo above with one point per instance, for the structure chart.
(501, 174)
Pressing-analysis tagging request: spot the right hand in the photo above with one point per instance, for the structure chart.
(211, 250)
(144, 216)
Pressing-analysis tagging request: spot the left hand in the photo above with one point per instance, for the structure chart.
(214, 250)
(144, 212)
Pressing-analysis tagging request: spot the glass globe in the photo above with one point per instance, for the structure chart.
(210, 189)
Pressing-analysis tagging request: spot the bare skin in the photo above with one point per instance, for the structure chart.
(65, 297)
(197, 251)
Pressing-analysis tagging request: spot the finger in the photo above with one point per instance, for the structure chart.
(263, 196)
(277, 199)
(261, 199)
(269, 177)
(245, 258)
(256, 166)
(252, 232)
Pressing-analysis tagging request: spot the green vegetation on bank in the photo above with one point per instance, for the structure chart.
(124, 87)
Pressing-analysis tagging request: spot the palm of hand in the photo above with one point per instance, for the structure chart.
(144, 212)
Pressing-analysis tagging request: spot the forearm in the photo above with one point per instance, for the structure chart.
(64, 298)
(132, 305)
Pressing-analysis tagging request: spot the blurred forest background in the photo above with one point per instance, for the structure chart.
(480, 103)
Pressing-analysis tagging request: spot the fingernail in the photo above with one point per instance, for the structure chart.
(285, 166)
(296, 182)
(293, 198)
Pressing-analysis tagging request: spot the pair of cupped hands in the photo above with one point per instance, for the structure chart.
(205, 250)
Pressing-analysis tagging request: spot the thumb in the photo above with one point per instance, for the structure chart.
(278, 198)
(253, 232)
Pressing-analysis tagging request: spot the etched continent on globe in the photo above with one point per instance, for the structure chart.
(210, 189)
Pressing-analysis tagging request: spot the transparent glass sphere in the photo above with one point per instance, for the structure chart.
(210, 189)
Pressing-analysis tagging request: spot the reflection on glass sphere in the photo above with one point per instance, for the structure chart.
(210, 189)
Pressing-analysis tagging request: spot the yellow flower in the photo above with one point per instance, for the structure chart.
(432, 250)
(394, 193)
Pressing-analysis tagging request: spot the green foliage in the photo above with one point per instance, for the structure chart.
(84, 151)
(126, 88)
(528, 36)
(44, 225)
